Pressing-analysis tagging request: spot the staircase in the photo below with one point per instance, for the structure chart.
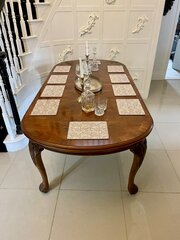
(21, 22)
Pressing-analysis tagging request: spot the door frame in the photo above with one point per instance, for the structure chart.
(167, 56)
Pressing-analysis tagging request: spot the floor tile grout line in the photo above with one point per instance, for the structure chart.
(53, 218)
(151, 192)
(159, 138)
(80, 190)
(10, 166)
(122, 200)
(91, 190)
(166, 151)
(172, 165)
(125, 222)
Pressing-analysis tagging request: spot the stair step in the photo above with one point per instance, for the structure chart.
(26, 59)
(29, 42)
(24, 54)
(18, 90)
(42, 3)
(29, 37)
(35, 20)
(42, 9)
(22, 71)
(35, 26)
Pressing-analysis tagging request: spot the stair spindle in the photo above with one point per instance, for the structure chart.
(13, 83)
(29, 10)
(23, 25)
(13, 59)
(6, 101)
(16, 34)
(7, 121)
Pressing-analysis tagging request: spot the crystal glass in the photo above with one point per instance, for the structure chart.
(94, 66)
(100, 105)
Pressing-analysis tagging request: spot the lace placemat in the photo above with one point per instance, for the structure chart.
(53, 91)
(46, 107)
(129, 107)
(57, 79)
(123, 90)
(62, 69)
(115, 68)
(118, 78)
(88, 130)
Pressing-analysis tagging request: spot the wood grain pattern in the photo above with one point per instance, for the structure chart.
(125, 132)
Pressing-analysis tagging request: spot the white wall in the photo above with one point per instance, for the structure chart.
(168, 27)
(129, 26)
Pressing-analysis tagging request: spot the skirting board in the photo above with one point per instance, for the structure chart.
(16, 144)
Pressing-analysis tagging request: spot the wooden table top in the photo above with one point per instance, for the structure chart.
(50, 132)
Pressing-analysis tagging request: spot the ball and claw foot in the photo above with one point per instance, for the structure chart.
(43, 188)
(133, 189)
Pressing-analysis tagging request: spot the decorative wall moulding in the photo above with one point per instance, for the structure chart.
(110, 1)
(90, 24)
(113, 52)
(65, 52)
(140, 24)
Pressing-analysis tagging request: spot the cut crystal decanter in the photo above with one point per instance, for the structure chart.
(87, 101)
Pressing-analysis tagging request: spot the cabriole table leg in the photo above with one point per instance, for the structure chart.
(35, 152)
(139, 150)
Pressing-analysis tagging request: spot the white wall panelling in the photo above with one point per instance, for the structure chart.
(114, 25)
(112, 30)
(144, 3)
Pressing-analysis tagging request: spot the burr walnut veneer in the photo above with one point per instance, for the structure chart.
(125, 132)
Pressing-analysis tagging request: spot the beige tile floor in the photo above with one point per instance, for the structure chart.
(90, 201)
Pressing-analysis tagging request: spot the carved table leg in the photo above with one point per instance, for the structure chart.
(35, 151)
(139, 150)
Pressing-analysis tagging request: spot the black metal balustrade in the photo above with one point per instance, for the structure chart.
(5, 78)
(14, 25)
(2, 4)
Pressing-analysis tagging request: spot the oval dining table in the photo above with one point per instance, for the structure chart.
(125, 132)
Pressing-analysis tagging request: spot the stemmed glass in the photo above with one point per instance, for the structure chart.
(94, 61)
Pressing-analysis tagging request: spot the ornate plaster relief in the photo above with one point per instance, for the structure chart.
(110, 1)
(140, 24)
(65, 52)
(113, 52)
(90, 24)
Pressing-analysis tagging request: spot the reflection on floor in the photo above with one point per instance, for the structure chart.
(92, 201)
(172, 73)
